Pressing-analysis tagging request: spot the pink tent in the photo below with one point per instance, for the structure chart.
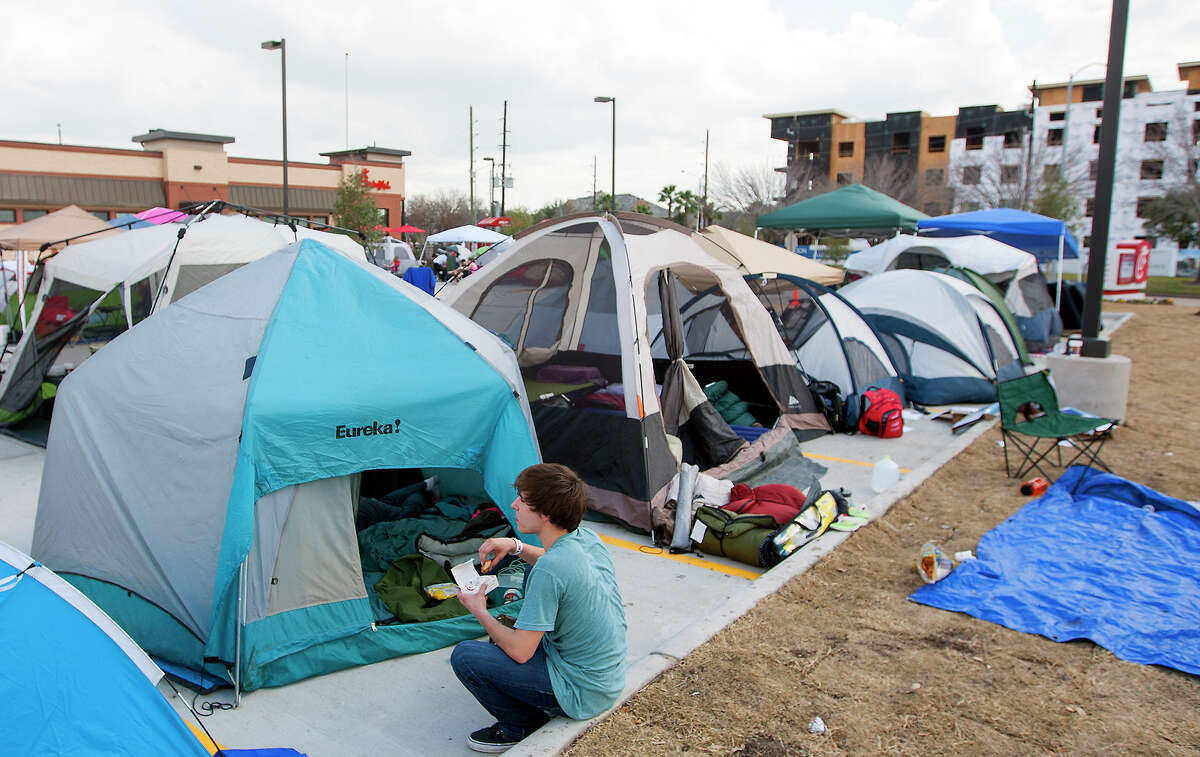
(161, 215)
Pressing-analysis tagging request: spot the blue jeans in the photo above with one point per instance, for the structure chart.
(518, 695)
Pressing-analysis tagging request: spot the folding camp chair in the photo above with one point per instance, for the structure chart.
(1029, 408)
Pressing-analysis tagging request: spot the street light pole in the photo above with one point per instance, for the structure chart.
(1067, 113)
(492, 188)
(281, 45)
(613, 186)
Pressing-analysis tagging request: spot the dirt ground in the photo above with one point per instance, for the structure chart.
(889, 676)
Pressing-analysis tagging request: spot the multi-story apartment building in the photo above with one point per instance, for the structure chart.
(174, 168)
(985, 156)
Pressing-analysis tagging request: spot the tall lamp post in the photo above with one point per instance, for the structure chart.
(281, 45)
(613, 186)
(1067, 112)
(492, 188)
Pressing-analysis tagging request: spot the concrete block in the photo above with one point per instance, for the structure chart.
(1095, 385)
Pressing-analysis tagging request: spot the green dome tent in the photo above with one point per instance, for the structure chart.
(852, 208)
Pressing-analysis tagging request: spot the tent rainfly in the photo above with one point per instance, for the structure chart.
(202, 473)
(855, 209)
(753, 257)
(592, 306)
(52, 228)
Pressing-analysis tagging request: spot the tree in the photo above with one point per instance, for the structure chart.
(686, 203)
(604, 202)
(642, 207)
(354, 209)
(745, 193)
(893, 176)
(669, 195)
(437, 212)
(1054, 199)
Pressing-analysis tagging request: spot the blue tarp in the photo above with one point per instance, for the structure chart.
(1115, 562)
(1026, 231)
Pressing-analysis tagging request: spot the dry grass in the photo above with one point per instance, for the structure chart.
(889, 676)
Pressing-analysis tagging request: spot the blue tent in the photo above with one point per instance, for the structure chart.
(1031, 232)
(71, 680)
(129, 221)
(202, 473)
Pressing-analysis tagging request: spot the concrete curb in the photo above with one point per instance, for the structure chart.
(560, 733)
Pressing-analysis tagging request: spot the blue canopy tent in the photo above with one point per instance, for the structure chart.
(1046, 238)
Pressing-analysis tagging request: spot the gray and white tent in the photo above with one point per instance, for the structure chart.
(581, 300)
(948, 341)
(202, 472)
(88, 293)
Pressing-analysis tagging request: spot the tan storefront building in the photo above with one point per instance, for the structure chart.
(174, 168)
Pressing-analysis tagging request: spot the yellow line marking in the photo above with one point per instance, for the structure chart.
(846, 460)
(660, 552)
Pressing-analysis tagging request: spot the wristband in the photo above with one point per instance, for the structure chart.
(517, 549)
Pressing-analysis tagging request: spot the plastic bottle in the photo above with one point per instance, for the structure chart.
(885, 474)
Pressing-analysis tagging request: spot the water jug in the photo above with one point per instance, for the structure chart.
(885, 474)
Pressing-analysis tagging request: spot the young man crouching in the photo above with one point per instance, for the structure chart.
(566, 655)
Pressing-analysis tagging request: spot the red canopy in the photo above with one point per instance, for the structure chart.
(406, 228)
(494, 221)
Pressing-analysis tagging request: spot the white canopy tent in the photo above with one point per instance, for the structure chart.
(466, 234)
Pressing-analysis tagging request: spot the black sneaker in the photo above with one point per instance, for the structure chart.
(492, 740)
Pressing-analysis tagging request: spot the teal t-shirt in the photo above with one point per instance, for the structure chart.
(571, 593)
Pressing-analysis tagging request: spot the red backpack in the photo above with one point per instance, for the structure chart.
(881, 413)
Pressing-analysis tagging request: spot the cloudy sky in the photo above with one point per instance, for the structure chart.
(109, 70)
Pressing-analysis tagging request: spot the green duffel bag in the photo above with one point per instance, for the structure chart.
(738, 537)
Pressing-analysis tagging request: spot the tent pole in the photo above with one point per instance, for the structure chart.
(241, 621)
(1059, 271)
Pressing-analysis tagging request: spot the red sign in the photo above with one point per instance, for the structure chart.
(379, 186)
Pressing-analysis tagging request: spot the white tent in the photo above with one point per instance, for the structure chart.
(999, 262)
(466, 234)
(96, 290)
(753, 257)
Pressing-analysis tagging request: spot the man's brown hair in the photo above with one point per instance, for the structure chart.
(555, 491)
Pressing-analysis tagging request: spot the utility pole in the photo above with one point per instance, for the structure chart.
(471, 157)
(593, 179)
(503, 156)
(492, 187)
(704, 200)
(1029, 152)
(347, 90)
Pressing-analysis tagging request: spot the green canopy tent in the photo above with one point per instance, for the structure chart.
(855, 209)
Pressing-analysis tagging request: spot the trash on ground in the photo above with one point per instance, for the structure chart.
(816, 725)
(933, 565)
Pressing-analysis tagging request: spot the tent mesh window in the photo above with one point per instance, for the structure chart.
(600, 332)
(67, 299)
(865, 366)
(525, 307)
(141, 296)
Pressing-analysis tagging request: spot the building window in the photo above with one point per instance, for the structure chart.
(975, 138)
(900, 143)
(1143, 204)
(938, 143)
(1012, 139)
(1089, 207)
(101, 214)
(1052, 172)
(808, 149)
(972, 174)
(1196, 131)
(1093, 170)
(383, 216)
(8, 215)
(1129, 90)
(1096, 135)
(845, 178)
(1010, 174)
(935, 176)
(1196, 106)
(321, 219)
(845, 149)
(1087, 242)
(1054, 137)
(28, 214)
(1093, 93)
(1152, 169)
(1156, 132)
(1058, 116)
(933, 209)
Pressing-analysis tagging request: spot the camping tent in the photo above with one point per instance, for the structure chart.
(94, 290)
(829, 337)
(466, 234)
(1015, 272)
(74, 682)
(996, 297)
(579, 298)
(52, 228)
(855, 209)
(201, 474)
(944, 335)
(752, 256)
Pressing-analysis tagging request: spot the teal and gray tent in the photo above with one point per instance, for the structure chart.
(830, 339)
(73, 681)
(996, 297)
(580, 298)
(945, 337)
(208, 460)
(89, 292)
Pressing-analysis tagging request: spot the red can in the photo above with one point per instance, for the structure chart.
(1035, 486)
